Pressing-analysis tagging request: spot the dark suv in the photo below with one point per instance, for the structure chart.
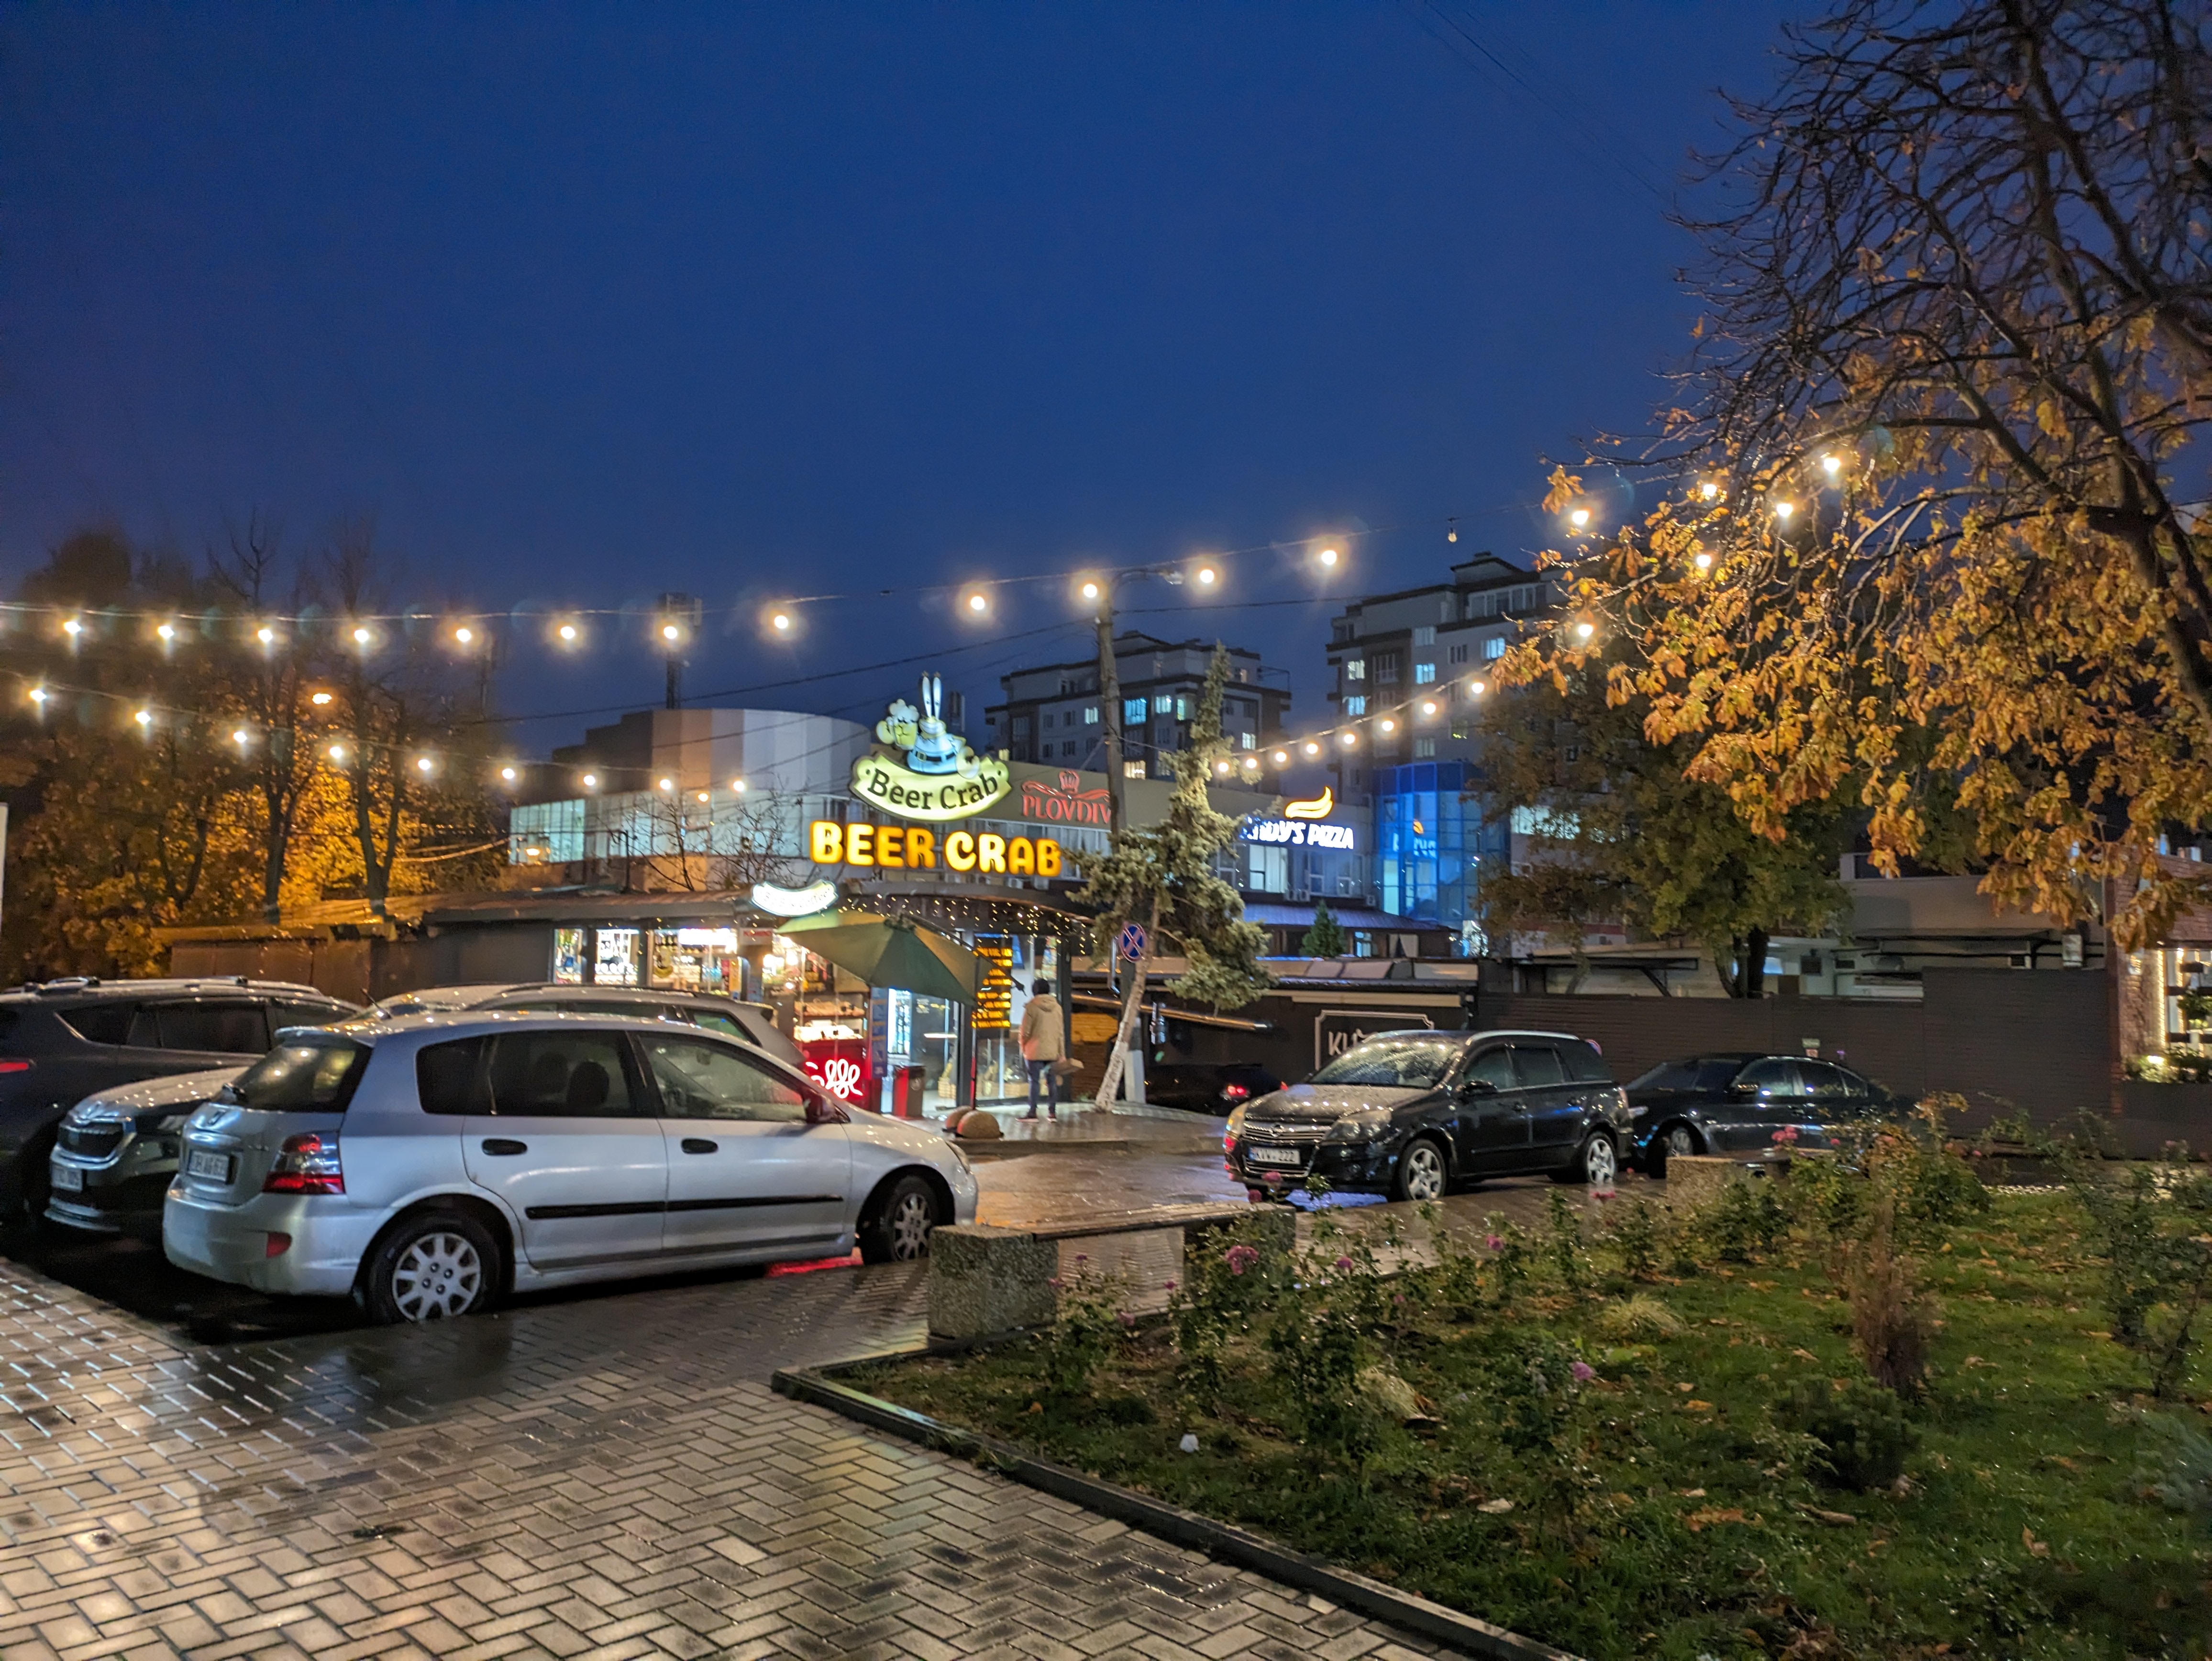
(64, 1040)
(1409, 1114)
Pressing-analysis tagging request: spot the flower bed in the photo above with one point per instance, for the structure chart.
(1665, 1439)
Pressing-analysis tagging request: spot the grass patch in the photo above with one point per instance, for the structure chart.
(1670, 1504)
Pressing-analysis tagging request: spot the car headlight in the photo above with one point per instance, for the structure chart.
(1361, 1126)
(1236, 1127)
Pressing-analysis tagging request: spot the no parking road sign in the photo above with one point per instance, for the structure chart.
(1132, 943)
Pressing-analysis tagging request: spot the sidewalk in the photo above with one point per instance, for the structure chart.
(1129, 1127)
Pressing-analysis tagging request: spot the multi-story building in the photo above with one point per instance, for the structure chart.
(1050, 714)
(1407, 671)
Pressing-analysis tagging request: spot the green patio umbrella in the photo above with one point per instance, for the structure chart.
(893, 952)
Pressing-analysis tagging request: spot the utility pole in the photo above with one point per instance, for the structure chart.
(1110, 705)
(680, 616)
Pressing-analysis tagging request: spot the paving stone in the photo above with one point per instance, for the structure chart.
(608, 1476)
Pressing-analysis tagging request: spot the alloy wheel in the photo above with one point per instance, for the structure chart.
(1598, 1167)
(911, 1219)
(437, 1277)
(1683, 1140)
(1425, 1172)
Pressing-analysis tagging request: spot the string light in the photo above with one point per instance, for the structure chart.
(1206, 575)
(1783, 509)
(465, 635)
(424, 763)
(1579, 518)
(318, 699)
(362, 636)
(976, 602)
(145, 717)
(265, 635)
(1478, 688)
(1090, 591)
(166, 632)
(590, 781)
(1832, 465)
(737, 785)
(1451, 533)
(1584, 630)
(1312, 749)
(1350, 738)
(704, 796)
(72, 628)
(1281, 759)
(241, 738)
(567, 632)
(1710, 488)
(668, 784)
(508, 773)
(670, 631)
(38, 695)
(1328, 557)
(781, 622)
(1703, 562)
(1388, 725)
(1429, 708)
(337, 752)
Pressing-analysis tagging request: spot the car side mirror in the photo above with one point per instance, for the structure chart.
(1477, 1087)
(820, 1110)
(1743, 1092)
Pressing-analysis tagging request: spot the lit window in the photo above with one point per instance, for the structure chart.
(1132, 769)
(1162, 705)
(1356, 669)
(1091, 717)
(1133, 711)
(1355, 706)
(1425, 635)
(1493, 648)
(1424, 673)
(1182, 708)
(1246, 740)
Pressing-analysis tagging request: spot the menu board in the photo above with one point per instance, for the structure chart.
(994, 1003)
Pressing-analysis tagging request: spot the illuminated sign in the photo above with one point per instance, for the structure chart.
(910, 848)
(994, 999)
(1068, 803)
(726, 938)
(1315, 807)
(795, 901)
(918, 770)
(1290, 833)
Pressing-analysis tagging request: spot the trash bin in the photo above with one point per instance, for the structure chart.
(907, 1089)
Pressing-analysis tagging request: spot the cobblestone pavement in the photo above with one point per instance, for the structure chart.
(605, 1476)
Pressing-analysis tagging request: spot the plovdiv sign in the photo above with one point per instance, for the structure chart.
(918, 770)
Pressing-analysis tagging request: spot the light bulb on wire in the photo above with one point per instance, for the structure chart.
(166, 632)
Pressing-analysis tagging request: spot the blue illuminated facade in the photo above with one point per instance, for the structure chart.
(1430, 842)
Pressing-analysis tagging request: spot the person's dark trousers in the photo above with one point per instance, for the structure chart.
(1042, 1069)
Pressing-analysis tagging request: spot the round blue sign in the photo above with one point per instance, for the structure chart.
(1132, 941)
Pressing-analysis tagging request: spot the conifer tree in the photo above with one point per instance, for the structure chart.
(1325, 938)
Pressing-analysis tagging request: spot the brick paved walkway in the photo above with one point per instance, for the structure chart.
(608, 1475)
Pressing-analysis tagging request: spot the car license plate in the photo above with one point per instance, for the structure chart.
(67, 1179)
(201, 1163)
(1274, 1156)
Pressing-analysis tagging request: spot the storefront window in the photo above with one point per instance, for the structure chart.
(568, 956)
(697, 960)
(614, 961)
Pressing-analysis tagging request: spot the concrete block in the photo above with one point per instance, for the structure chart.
(985, 1281)
(1696, 1179)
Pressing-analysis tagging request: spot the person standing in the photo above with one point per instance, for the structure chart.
(1043, 1045)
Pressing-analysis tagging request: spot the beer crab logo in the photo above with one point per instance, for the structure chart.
(918, 770)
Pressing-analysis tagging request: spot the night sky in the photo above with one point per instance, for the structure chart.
(580, 305)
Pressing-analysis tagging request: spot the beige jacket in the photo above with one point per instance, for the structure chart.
(1041, 1029)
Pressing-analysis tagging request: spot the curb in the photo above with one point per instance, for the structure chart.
(1464, 1632)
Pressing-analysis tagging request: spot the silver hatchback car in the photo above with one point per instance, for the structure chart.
(426, 1164)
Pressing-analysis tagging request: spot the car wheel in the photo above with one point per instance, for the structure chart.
(900, 1232)
(1676, 1140)
(1421, 1172)
(436, 1266)
(1598, 1164)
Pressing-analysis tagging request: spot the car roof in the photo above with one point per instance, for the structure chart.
(476, 996)
(93, 987)
(471, 1023)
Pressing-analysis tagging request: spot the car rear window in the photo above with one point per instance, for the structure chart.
(1584, 1064)
(221, 1029)
(1702, 1074)
(105, 1022)
(1404, 1061)
(305, 1075)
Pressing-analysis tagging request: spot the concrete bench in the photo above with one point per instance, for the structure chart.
(985, 1281)
(1697, 1179)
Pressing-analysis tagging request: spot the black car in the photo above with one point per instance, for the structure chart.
(64, 1040)
(1214, 1087)
(1734, 1103)
(1409, 1114)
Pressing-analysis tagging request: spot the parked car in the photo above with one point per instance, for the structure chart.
(428, 1164)
(62, 1040)
(1409, 1114)
(1734, 1103)
(117, 1151)
(1215, 1088)
(754, 1023)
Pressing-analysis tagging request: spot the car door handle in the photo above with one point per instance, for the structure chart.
(504, 1145)
(697, 1145)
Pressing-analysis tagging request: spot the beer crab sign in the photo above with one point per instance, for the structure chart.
(919, 770)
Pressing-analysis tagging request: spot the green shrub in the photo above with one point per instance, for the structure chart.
(1562, 1243)
(1745, 1221)
(1320, 1352)
(2151, 1227)
(1085, 1332)
(1229, 1280)
(1860, 1431)
(2177, 1466)
(1633, 1233)
(1638, 1320)
(1509, 1257)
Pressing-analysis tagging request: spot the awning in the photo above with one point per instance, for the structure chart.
(893, 952)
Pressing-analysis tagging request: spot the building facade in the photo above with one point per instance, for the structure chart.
(1051, 713)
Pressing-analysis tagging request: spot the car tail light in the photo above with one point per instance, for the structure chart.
(307, 1164)
(278, 1244)
(1234, 1092)
(15, 1064)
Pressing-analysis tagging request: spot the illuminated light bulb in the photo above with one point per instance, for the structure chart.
(1090, 591)
(739, 785)
(1389, 725)
(1703, 561)
(1252, 761)
(39, 695)
(1205, 574)
(145, 717)
(1350, 738)
(1221, 767)
(669, 631)
(1280, 758)
(1832, 465)
(361, 637)
(1584, 630)
(72, 628)
(424, 763)
(1328, 556)
(703, 796)
(976, 603)
(241, 738)
(1452, 534)
(318, 699)
(465, 635)
(1429, 709)
(1783, 509)
(337, 752)
(781, 622)
(567, 634)
(166, 631)
(265, 635)
(590, 781)
(1579, 518)
(508, 773)
(1312, 749)
(1478, 688)
(668, 784)
(1709, 490)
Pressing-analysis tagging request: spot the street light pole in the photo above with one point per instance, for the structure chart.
(1109, 706)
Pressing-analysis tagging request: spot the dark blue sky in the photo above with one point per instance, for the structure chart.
(580, 305)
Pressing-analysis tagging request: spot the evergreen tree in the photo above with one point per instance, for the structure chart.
(1325, 938)
(1162, 877)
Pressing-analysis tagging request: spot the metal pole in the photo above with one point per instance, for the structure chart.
(1110, 707)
